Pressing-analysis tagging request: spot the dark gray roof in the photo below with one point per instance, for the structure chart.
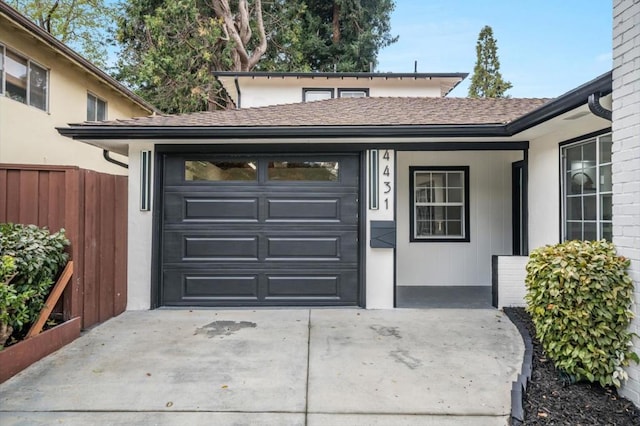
(373, 111)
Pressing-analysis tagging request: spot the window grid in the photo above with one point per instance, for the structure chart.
(587, 205)
(96, 108)
(439, 198)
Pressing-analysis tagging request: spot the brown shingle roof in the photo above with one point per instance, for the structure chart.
(373, 111)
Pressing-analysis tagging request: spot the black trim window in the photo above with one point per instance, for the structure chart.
(586, 189)
(353, 93)
(317, 94)
(439, 204)
(96, 108)
(23, 80)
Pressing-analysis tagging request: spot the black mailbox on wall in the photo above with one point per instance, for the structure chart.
(383, 234)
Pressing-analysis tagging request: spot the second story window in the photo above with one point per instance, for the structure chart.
(309, 95)
(353, 93)
(23, 80)
(96, 108)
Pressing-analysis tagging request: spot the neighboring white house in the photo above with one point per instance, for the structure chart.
(44, 84)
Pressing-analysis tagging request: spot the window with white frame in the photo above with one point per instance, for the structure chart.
(309, 95)
(439, 204)
(23, 80)
(353, 93)
(96, 108)
(586, 189)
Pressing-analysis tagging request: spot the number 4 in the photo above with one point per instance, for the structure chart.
(386, 155)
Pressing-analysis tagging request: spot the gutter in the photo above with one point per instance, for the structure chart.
(105, 154)
(596, 107)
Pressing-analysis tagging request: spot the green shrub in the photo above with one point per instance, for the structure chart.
(578, 296)
(31, 259)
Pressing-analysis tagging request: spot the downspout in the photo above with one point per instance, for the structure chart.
(105, 154)
(239, 103)
(596, 107)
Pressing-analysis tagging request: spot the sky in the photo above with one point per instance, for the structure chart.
(545, 47)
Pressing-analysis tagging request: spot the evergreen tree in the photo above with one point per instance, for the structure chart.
(487, 82)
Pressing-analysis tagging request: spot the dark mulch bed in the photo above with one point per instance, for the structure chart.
(550, 401)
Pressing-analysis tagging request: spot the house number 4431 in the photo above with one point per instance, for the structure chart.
(387, 177)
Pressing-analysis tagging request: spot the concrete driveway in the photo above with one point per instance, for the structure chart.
(276, 367)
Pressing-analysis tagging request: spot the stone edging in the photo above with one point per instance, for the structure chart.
(519, 387)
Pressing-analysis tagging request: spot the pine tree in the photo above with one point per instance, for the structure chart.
(487, 82)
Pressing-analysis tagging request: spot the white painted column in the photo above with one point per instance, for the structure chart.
(379, 277)
(626, 158)
(140, 233)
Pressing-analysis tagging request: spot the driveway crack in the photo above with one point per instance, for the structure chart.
(306, 402)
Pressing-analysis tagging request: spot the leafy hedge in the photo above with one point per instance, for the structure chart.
(30, 258)
(579, 297)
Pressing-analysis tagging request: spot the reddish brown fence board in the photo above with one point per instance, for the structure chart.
(92, 207)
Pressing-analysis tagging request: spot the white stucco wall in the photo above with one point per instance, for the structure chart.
(140, 235)
(626, 157)
(258, 92)
(452, 264)
(379, 261)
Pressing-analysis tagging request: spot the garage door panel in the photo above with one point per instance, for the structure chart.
(207, 286)
(259, 242)
(220, 248)
(313, 246)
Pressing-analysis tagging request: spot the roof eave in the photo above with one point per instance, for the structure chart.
(45, 37)
(564, 103)
(269, 74)
(84, 132)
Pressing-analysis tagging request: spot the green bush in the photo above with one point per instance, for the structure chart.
(30, 260)
(578, 296)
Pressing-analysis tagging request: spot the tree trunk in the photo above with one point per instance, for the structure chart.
(5, 333)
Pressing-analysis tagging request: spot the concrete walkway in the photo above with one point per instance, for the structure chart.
(276, 367)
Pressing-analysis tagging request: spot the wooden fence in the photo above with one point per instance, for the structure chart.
(92, 208)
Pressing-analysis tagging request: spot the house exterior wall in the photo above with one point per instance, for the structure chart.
(255, 93)
(511, 273)
(544, 180)
(28, 134)
(458, 263)
(626, 157)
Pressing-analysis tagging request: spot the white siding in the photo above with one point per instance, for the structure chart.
(511, 275)
(626, 156)
(451, 264)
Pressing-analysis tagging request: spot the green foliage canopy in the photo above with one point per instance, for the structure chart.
(487, 81)
(81, 24)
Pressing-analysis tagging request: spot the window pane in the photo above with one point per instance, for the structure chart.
(303, 171)
(589, 207)
(590, 229)
(16, 72)
(38, 87)
(574, 157)
(606, 231)
(454, 228)
(421, 195)
(101, 113)
(574, 208)
(439, 180)
(454, 180)
(422, 180)
(589, 153)
(605, 178)
(454, 213)
(91, 108)
(605, 149)
(220, 170)
(606, 207)
(352, 94)
(574, 231)
(317, 95)
(454, 195)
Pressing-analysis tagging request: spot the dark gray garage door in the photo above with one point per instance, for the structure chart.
(259, 230)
